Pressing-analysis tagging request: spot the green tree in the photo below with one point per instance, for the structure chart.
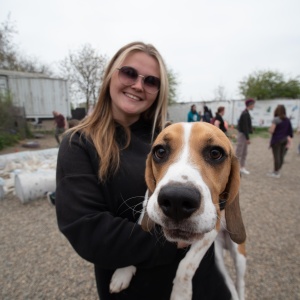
(84, 69)
(263, 85)
(173, 85)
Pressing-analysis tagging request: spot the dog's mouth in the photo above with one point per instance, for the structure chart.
(176, 235)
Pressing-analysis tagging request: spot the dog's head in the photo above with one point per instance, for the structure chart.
(191, 174)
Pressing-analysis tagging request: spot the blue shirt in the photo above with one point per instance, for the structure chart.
(193, 116)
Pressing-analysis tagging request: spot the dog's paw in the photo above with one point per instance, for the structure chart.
(121, 279)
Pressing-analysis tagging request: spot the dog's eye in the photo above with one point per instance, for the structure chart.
(159, 153)
(216, 154)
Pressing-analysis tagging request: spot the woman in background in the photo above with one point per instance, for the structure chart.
(282, 134)
(219, 121)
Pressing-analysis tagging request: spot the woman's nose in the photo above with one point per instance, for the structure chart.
(139, 84)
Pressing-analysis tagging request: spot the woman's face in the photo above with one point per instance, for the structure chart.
(129, 102)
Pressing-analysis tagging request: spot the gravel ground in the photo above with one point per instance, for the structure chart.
(36, 261)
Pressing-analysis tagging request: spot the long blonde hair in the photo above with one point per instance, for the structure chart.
(100, 126)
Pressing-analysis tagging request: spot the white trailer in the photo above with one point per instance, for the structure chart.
(37, 93)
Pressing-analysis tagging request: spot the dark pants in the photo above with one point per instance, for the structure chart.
(279, 150)
(58, 132)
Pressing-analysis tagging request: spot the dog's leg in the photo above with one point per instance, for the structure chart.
(122, 276)
(121, 279)
(220, 246)
(182, 284)
(238, 254)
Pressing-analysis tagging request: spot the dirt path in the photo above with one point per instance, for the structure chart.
(36, 262)
(45, 142)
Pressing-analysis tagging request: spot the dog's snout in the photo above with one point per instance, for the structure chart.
(179, 202)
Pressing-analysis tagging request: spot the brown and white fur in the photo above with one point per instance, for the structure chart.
(192, 174)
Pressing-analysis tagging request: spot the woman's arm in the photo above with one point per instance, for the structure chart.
(86, 215)
(217, 123)
(272, 128)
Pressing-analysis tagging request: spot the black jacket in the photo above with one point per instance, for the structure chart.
(222, 123)
(245, 124)
(100, 222)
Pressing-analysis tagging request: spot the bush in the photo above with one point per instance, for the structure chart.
(12, 127)
(8, 139)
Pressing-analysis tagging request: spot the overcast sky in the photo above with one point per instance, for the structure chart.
(207, 43)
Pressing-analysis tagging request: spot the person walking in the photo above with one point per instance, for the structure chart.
(282, 134)
(100, 183)
(60, 125)
(218, 120)
(243, 137)
(193, 115)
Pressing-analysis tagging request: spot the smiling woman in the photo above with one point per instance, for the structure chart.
(101, 182)
(131, 93)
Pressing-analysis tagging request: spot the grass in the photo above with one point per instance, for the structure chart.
(261, 132)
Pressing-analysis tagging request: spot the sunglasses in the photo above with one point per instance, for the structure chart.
(129, 76)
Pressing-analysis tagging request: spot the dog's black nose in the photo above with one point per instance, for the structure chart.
(178, 201)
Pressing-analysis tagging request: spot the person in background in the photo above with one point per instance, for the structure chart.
(60, 125)
(282, 134)
(101, 183)
(207, 115)
(218, 120)
(243, 137)
(193, 115)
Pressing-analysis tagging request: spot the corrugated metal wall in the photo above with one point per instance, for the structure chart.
(38, 94)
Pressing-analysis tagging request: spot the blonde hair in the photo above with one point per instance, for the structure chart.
(100, 126)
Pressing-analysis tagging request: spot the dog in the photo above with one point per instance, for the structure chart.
(193, 179)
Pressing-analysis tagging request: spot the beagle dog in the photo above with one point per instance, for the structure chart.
(193, 179)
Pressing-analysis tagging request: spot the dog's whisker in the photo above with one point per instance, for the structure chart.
(135, 224)
(133, 208)
(160, 238)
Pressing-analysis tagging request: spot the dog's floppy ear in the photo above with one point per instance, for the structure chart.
(168, 123)
(150, 180)
(233, 215)
(234, 221)
(147, 224)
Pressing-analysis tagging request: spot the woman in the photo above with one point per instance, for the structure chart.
(218, 121)
(193, 115)
(101, 185)
(282, 133)
(207, 116)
